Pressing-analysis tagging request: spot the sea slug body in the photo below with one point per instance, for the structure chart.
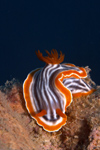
(50, 90)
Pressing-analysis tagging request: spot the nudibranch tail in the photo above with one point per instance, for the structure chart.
(51, 58)
(49, 91)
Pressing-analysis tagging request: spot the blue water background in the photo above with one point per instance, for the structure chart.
(67, 25)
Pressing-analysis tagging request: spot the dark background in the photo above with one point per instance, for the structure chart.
(72, 26)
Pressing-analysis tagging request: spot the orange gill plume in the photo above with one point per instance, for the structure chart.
(52, 58)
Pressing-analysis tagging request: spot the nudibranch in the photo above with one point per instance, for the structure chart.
(49, 91)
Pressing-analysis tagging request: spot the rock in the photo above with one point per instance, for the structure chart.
(19, 131)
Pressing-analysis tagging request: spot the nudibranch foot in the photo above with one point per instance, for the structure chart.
(50, 90)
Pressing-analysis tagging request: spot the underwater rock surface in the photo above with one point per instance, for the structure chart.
(18, 131)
